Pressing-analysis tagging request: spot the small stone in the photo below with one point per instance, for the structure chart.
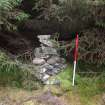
(47, 82)
(43, 70)
(56, 70)
(46, 65)
(50, 72)
(57, 65)
(45, 77)
(60, 66)
(52, 82)
(39, 61)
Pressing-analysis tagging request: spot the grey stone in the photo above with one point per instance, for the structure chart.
(45, 52)
(50, 72)
(53, 60)
(60, 65)
(56, 70)
(52, 82)
(46, 65)
(62, 60)
(47, 60)
(53, 70)
(49, 51)
(45, 39)
(38, 52)
(45, 77)
(43, 70)
(38, 61)
(49, 69)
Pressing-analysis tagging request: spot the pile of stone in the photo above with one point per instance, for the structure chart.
(48, 62)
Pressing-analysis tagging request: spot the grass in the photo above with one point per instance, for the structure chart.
(86, 87)
(65, 78)
(10, 73)
(15, 74)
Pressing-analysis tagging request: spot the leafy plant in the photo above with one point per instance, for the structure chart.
(8, 12)
(9, 71)
(21, 16)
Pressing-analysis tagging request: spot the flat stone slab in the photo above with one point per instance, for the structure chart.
(38, 61)
(53, 60)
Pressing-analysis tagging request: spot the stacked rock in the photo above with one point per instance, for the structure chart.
(48, 62)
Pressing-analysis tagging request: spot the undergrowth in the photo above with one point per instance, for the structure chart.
(86, 87)
(14, 74)
(10, 73)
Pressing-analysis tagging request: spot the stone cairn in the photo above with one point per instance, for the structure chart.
(47, 61)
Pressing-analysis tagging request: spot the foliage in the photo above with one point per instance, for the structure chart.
(85, 86)
(9, 4)
(66, 79)
(91, 39)
(83, 83)
(9, 71)
(92, 47)
(99, 16)
(8, 12)
(72, 14)
(21, 16)
(72, 8)
(44, 9)
(13, 73)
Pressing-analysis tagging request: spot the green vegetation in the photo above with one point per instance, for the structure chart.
(9, 13)
(66, 79)
(86, 87)
(73, 14)
(12, 73)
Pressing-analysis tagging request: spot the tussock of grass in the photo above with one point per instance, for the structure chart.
(10, 73)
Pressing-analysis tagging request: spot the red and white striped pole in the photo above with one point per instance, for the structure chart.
(75, 57)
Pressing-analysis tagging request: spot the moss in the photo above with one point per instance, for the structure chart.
(65, 79)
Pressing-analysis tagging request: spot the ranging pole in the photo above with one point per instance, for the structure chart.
(75, 57)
